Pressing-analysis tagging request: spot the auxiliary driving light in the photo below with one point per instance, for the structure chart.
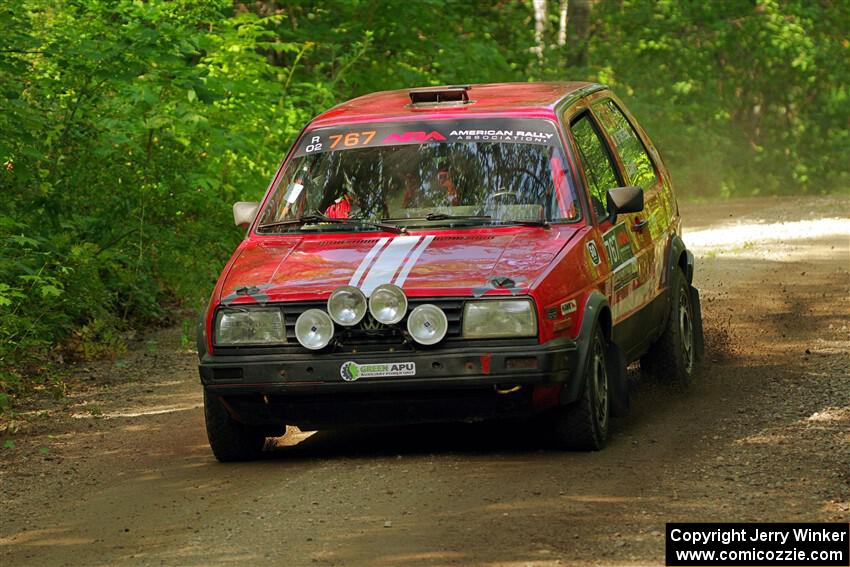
(427, 324)
(347, 305)
(314, 329)
(388, 304)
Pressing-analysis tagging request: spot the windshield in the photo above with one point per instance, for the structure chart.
(458, 173)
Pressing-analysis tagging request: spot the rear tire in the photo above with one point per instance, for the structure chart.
(230, 440)
(583, 424)
(673, 357)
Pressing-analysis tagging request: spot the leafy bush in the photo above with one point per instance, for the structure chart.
(128, 130)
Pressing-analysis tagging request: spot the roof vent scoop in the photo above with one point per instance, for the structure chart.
(432, 96)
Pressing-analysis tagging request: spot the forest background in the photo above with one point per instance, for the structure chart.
(128, 128)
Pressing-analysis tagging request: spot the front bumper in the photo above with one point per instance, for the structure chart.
(449, 384)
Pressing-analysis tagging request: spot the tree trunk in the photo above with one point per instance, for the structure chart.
(539, 28)
(562, 23)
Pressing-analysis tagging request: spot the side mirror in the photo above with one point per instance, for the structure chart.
(244, 213)
(624, 200)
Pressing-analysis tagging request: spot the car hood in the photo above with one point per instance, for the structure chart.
(310, 267)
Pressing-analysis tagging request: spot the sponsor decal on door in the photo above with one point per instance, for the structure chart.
(617, 245)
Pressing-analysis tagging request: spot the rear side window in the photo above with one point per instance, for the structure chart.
(598, 169)
(632, 153)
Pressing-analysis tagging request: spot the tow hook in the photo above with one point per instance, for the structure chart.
(507, 390)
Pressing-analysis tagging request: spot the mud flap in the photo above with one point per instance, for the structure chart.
(699, 338)
(618, 381)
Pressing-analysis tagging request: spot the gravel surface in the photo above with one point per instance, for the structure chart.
(118, 472)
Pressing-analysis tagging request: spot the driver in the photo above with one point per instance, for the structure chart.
(444, 192)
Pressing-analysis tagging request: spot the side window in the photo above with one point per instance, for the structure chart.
(638, 165)
(598, 169)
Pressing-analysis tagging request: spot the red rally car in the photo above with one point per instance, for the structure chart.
(452, 253)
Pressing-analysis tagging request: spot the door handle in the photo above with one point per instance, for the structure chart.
(639, 225)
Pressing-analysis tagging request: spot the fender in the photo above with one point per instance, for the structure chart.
(595, 306)
(675, 259)
(596, 309)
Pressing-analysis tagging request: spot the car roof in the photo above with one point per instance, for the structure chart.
(505, 99)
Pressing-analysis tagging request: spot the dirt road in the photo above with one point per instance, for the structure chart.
(119, 473)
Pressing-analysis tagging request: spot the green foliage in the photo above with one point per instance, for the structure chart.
(128, 128)
(94, 410)
(744, 97)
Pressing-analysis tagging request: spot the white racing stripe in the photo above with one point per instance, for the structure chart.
(387, 263)
(358, 273)
(411, 261)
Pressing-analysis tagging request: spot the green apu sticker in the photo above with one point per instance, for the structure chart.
(351, 371)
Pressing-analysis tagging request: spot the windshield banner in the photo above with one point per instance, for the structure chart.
(356, 136)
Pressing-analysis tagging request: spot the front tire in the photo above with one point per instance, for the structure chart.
(672, 358)
(583, 424)
(230, 440)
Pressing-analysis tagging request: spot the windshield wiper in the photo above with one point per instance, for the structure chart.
(442, 216)
(318, 218)
(445, 216)
(542, 223)
(488, 218)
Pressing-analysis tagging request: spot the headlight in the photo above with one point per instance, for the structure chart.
(347, 305)
(427, 324)
(499, 318)
(314, 329)
(249, 326)
(388, 304)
